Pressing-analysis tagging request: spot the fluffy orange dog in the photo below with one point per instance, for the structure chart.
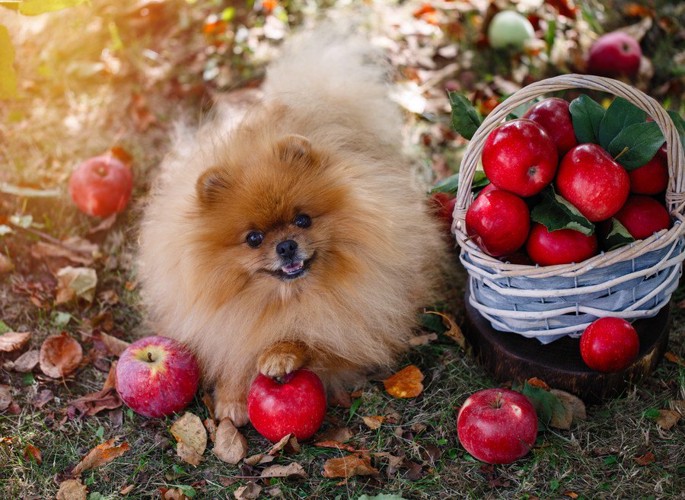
(293, 236)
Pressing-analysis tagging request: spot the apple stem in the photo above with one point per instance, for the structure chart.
(625, 150)
(149, 357)
(497, 403)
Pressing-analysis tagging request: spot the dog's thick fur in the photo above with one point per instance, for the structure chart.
(324, 142)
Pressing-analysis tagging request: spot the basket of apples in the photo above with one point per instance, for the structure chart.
(581, 216)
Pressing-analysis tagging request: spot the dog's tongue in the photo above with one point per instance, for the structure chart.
(293, 267)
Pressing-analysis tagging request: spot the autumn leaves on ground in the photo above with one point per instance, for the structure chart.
(111, 78)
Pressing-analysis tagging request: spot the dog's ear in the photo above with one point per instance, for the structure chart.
(294, 148)
(212, 185)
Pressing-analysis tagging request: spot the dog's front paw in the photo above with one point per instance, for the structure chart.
(282, 358)
(227, 408)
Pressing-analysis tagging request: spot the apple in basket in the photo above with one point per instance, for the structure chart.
(498, 222)
(554, 116)
(643, 216)
(520, 157)
(497, 426)
(650, 178)
(609, 345)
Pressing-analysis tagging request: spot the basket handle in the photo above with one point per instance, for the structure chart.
(675, 197)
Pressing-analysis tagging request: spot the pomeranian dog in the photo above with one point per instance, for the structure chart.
(294, 236)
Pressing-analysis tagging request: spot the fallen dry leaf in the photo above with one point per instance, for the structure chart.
(60, 355)
(250, 491)
(27, 361)
(127, 489)
(645, 459)
(339, 434)
(42, 398)
(667, 419)
(539, 383)
(287, 444)
(453, 329)
(406, 383)
(674, 358)
(374, 422)
(349, 466)
(106, 398)
(291, 470)
(5, 397)
(173, 494)
(33, 453)
(13, 341)
(72, 489)
(114, 345)
(336, 445)
(574, 410)
(101, 455)
(191, 437)
(230, 445)
(75, 250)
(75, 283)
(6, 265)
(420, 340)
(259, 459)
(210, 425)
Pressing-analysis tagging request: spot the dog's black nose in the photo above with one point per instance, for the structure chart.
(286, 249)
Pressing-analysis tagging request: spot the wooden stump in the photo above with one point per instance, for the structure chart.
(511, 357)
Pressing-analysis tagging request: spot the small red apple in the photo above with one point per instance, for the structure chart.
(101, 186)
(614, 54)
(562, 246)
(593, 182)
(643, 216)
(498, 222)
(519, 156)
(650, 178)
(295, 404)
(554, 116)
(609, 345)
(157, 376)
(497, 426)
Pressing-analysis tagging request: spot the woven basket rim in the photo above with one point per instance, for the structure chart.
(675, 192)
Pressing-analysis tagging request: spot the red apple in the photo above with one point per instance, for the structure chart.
(497, 426)
(553, 115)
(519, 156)
(562, 246)
(609, 345)
(295, 405)
(650, 178)
(157, 376)
(498, 222)
(643, 216)
(593, 182)
(101, 186)
(614, 54)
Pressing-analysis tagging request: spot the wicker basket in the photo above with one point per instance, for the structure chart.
(634, 281)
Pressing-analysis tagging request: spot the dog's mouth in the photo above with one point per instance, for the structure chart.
(294, 269)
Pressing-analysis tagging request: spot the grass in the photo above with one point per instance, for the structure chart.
(67, 114)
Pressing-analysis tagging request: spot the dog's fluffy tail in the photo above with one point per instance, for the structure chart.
(333, 68)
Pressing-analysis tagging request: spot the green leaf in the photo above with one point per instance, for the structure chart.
(451, 184)
(8, 77)
(465, 117)
(618, 236)
(679, 125)
(545, 403)
(586, 115)
(555, 212)
(4, 328)
(432, 323)
(618, 116)
(636, 144)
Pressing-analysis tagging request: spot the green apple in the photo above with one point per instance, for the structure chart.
(508, 28)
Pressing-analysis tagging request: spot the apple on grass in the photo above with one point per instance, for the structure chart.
(157, 376)
(510, 29)
(497, 426)
(498, 222)
(614, 54)
(520, 157)
(295, 404)
(593, 182)
(554, 116)
(609, 345)
(101, 186)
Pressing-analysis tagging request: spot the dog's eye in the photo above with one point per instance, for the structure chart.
(254, 238)
(302, 220)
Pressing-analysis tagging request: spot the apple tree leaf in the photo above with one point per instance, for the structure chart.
(617, 236)
(636, 144)
(586, 115)
(8, 77)
(619, 115)
(465, 117)
(555, 212)
(547, 405)
(451, 184)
